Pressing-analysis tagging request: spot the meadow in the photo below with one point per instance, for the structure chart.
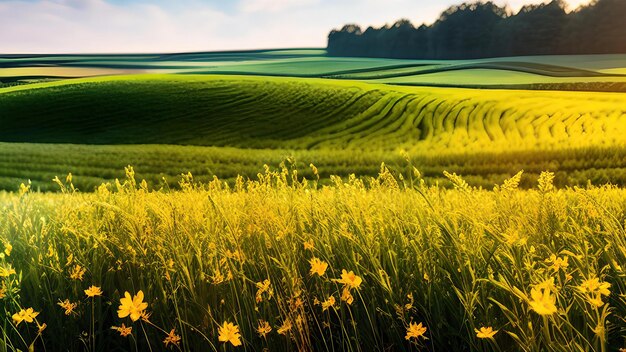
(287, 200)
(386, 263)
(232, 125)
(556, 72)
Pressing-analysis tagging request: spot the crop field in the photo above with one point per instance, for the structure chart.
(288, 200)
(233, 125)
(584, 72)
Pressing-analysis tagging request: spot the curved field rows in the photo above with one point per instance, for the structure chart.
(266, 112)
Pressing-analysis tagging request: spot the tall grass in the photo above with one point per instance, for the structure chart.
(453, 260)
(162, 165)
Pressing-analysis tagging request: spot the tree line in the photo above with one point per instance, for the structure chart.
(478, 30)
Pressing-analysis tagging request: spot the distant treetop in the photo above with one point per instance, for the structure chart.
(478, 30)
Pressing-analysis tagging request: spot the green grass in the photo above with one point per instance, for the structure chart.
(520, 72)
(261, 112)
(162, 165)
(340, 126)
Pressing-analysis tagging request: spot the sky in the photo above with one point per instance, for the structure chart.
(140, 26)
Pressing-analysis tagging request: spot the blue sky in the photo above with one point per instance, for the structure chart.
(113, 26)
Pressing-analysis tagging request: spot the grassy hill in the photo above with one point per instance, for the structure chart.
(236, 124)
(254, 112)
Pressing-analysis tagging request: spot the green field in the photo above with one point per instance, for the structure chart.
(341, 126)
(585, 72)
(312, 202)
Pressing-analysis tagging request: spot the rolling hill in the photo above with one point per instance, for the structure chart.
(260, 112)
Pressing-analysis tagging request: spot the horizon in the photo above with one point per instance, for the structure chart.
(37, 27)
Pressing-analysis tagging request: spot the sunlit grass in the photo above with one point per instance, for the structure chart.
(280, 263)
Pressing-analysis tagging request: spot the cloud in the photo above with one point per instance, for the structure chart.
(99, 26)
(273, 5)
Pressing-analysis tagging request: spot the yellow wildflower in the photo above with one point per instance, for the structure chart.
(229, 332)
(3, 291)
(542, 302)
(546, 284)
(318, 266)
(93, 291)
(123, 330)
(330, 302)
(172, 338)
(594, 285)
(68, 306)
(309, 245)
(7, 249)
(284, 329)
(349, 279)
(218, 278)
(145, 316)
(600, 331)
(558, 263)
(132, 307)
(346, 296)
(77, 273)
(296, 303)
(485, 332)
(27, 315)
(6, 271)
(409, 305)
(415, 331)
(41, 328)
(264, 328)
(263, 287)
(595, 300)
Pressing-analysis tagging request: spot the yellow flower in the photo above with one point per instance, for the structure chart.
(595, 300)
(6, 271)
(330, 302)
(229, 333)
(284, 329)
(346, 296)
(309, 245)
(318, 266)
(27, 315)
(542, 302)
(485, 332)
(132, 307)
(93, 291)
(7, 249)
(349, 279)
(264, 328)
(546, 284)
(3, 291)
(262, 288)
(68, 306)
(123, 330)
(600, 331)
(77, 273)
(558, 263)
(594, 285)
(172, 338)
(415, 331)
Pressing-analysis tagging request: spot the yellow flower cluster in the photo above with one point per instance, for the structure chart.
(594, 289)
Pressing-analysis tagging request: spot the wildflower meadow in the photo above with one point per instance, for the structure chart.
(282, 263)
